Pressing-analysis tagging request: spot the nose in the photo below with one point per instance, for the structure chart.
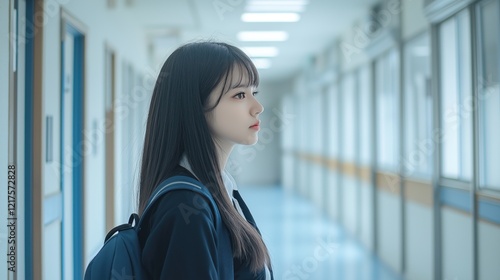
(257, 108)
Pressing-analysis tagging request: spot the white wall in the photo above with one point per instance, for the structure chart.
(316, 186)
(488, 250)
(366, 214)
(304, 179)
(389, 228)
(333, 194)
(419, 241)
(288, 171)
(457, 244)
(414, 20)
(350, 192)
(288, 162)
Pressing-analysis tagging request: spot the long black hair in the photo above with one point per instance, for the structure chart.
(177, 124)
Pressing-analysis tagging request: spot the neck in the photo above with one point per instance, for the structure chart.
(223, 152)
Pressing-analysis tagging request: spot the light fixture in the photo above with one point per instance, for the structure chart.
(277, 3)
(254, 8)
(262, 36)
(260, 51)
(270, 17)
(276, 6)
(261, 63)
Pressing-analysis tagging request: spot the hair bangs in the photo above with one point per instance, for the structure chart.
(247, 76)
(247, 68)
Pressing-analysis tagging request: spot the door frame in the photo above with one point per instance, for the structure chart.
(29, 67)
(110, 124)
(70, 25)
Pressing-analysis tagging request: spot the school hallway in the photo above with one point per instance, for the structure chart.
(305, 244)
(376, 156)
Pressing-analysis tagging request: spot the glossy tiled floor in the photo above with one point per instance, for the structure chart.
(305, 244)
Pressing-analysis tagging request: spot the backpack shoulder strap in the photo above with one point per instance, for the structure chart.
(178, 182)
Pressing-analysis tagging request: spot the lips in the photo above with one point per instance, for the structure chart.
(256, 124)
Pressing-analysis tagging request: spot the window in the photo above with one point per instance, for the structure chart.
(419, 145)
(456, 97)
(287, 140)
(316, 123)
(333, 118)
(365, 116)
(349, 117)
(489, 93)
(304, 130)
(387, 85)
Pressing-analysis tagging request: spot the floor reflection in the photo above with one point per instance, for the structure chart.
(305, 244)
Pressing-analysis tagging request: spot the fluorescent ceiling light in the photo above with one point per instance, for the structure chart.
(261, 63)
(277, 3)
(262, 36)
(277, 8)
(270, 17)
(260, 51)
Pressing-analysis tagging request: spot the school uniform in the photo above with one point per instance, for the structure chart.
(180, 240)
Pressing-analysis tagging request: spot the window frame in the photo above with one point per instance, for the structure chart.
(484, 189)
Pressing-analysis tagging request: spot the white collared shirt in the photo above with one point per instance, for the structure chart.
(228, 180)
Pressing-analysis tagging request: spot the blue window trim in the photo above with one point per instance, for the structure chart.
(456, 198)
(488, 210)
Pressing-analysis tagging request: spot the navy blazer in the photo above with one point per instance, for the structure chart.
(180, 240)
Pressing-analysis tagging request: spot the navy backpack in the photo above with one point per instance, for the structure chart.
(120, 256)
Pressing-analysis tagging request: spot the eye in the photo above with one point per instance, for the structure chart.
(240, 94)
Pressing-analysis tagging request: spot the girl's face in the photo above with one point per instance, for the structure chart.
(230, 122)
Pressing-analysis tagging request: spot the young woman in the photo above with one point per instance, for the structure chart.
(202, 105)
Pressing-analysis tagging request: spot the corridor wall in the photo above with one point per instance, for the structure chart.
(417, 185)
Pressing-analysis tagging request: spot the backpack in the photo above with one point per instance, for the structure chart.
(120, 256)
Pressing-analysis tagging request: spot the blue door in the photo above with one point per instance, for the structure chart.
(72, 155)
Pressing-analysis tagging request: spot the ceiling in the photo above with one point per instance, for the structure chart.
(169, 23)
